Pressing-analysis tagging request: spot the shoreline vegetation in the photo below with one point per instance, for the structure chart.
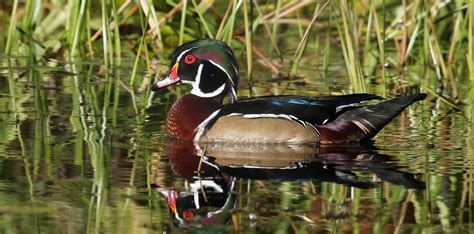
(372, 36)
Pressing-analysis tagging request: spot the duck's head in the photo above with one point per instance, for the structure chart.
(208, 65)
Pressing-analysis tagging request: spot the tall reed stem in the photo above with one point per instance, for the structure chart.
(304, 40)
(470, 54)
(350, 50)
(11, 28)
(105, 34)
(183, 20)
(117, 44)
(78, 27)
(248, 45)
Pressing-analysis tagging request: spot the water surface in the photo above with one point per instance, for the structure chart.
(82, 151)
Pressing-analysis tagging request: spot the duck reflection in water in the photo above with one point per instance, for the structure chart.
(212, 171)
(211, 194)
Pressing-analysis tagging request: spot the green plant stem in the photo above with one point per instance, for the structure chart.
(142, 43)
(470, 54)
(304, 40)
(248, 46)
(88, 30)
(327, 46)
(105, 33)
(117, 43)
(267, 30)
(183, 20)
(203, 20)
(78, 27)
(228, 31)
(350, 49)
(275, 25)
(11, 28)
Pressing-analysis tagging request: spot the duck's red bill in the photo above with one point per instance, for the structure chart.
(169, 80)
(165, 83)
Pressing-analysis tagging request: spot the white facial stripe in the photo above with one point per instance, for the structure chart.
(234, 94)
(231, 55)
(217, 65)
(198, 92)
(197, 79)
(220, 67)
(184, 52)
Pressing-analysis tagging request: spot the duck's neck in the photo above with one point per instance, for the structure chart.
(187, 113)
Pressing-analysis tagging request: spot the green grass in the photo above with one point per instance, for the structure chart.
(470, 35)
(415, 30)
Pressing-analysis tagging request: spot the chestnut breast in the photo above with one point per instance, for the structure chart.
(187, 113)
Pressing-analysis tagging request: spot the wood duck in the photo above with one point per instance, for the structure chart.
(200, 116)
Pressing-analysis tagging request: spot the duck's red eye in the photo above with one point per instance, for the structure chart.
(189, 59)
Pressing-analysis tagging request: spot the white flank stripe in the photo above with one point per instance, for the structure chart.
(341, 107)
(277, 116)
(200, 128)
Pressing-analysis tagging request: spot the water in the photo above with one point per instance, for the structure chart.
(81, 151)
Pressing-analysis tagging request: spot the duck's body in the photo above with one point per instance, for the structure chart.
(210, 67)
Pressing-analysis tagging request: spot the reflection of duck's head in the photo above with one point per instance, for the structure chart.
(208, 195)
(207, 203)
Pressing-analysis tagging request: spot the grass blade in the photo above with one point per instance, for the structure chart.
(183, 20)
(304, 40)
(11, 28)
(470, 36)
(350, 50)
(248, 46)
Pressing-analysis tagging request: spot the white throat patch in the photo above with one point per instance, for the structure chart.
(197, 91)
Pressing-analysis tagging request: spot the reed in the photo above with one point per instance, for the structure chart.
(327, 45)
(106, 43)
(228, 29)
(183, 20)
(350, 48)
(11, 28)
(304, 39)
(248, 46)
(32, 9)
(470, 35)
(88, 31)
(117, 42)
(78, 25)
(141, 44)
(275, 25)
(204, 22)
(257, 22)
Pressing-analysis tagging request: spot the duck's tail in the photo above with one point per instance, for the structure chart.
(363, 123)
